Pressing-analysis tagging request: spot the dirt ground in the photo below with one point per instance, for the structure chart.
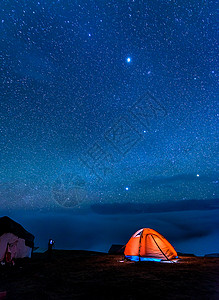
(91, 275)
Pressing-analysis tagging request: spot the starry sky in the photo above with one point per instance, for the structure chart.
(108, 116)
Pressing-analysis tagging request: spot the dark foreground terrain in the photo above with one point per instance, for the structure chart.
(90, 275)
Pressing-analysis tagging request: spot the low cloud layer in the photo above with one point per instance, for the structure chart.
(167, 206)
(189, 231)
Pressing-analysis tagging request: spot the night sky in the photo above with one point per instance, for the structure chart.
(108, 121)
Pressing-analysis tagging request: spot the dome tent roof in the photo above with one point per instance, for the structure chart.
(148, 244)
(7, 225)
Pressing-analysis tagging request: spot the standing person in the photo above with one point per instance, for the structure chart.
(50, 245)
(8, 256)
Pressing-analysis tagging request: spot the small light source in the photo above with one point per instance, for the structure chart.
(128, 59)
(51, 242)
(127, 188)
(197, 175)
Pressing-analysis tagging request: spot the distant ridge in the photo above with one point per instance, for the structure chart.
(116, 249)
(186, 254)
(212, 255)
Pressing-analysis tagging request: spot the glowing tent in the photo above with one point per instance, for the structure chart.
(149, 245)
(15, 241)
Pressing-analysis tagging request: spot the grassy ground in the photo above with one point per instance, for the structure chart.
(90, 275)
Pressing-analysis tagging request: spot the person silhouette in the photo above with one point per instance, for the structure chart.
(8, 256)
(50, 246)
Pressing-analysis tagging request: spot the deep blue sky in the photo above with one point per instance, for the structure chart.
(87, 131)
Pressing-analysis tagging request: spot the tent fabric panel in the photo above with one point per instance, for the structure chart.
(150, 248)
(170, 251)
(165, 246)
(161, 248)
(132, 247)
(22, 250)
(7, 225)
(17, 246)
(4, 240)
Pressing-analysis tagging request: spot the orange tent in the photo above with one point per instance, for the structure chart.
(149, 245)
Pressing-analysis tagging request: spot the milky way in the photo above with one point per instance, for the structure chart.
(107, 102)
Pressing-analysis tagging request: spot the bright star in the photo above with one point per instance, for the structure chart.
(127, 188)
(89, 34)
(197, 175)
(128, 59)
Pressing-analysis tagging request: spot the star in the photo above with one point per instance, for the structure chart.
(128, 59)
(197, 175)
(127, 188)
